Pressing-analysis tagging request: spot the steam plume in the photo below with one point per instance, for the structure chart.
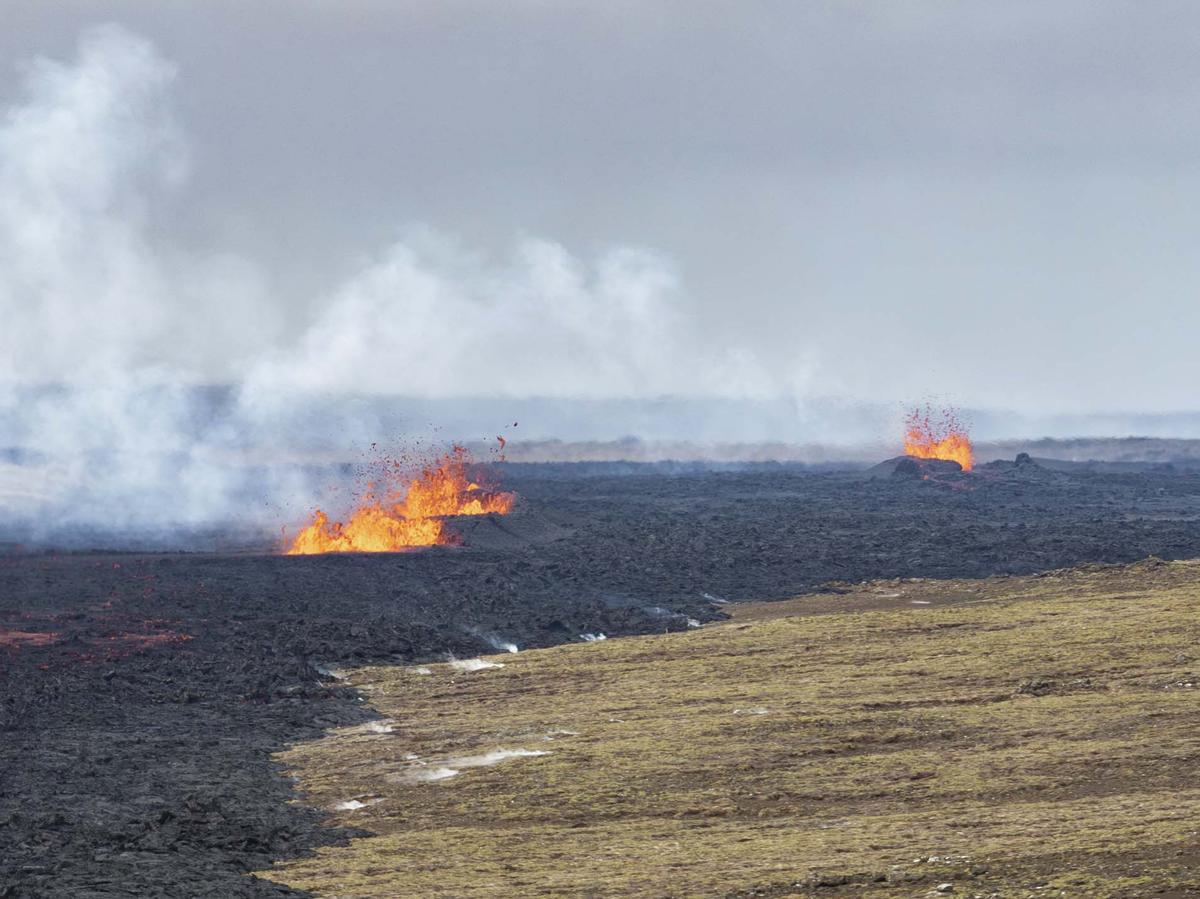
(111, 334)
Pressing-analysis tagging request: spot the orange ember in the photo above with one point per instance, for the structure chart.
(407, 518)
(943, 438)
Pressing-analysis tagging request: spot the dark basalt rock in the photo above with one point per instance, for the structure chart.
(136, 742)
(913, 468)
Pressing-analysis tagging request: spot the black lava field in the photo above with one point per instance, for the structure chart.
(141, 695)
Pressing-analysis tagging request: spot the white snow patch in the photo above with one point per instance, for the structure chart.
(494, 757)
(692, 622)
(422, 670)
(331, 672)
(494, 640)
(351, 805)
(381, 727)
(592, 638)
(919, 602)
(423, 773)
(473, 664)
(758, 711)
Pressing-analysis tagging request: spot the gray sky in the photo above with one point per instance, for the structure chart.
(991, 202)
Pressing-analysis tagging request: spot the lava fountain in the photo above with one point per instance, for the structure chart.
(408, 516)
(940, 436)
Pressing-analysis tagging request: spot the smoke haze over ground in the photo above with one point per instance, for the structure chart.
(111, 335)
(158, 372)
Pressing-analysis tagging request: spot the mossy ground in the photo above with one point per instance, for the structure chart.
(1012, 737)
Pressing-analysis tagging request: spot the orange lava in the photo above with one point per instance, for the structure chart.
(943, 437)
(406, 518)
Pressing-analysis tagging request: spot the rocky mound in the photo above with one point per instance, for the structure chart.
(1024, 466)
(524, 527)
(913, 468)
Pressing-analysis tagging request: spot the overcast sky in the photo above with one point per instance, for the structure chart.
(996, 203)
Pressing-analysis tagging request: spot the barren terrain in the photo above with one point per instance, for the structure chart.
(1006, 737)
(142, 696)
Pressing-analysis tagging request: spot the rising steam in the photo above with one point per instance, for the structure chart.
(112, 335)
(155, 393)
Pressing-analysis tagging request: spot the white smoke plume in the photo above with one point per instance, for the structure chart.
(111, 334)
(431, 319)
(91, 156)
(147, 388)
(87, 158)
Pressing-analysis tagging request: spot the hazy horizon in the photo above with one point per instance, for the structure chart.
(883, 203)
(706, 222)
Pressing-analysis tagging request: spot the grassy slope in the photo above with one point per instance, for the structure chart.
(1034, 737)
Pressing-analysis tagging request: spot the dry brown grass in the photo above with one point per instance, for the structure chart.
(1032, 736)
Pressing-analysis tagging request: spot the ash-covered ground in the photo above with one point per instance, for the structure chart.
(141, 696)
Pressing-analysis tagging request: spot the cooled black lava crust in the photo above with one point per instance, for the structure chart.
(142, 695)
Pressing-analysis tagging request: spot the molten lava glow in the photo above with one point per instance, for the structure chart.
(407, 518)
(943, 438)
